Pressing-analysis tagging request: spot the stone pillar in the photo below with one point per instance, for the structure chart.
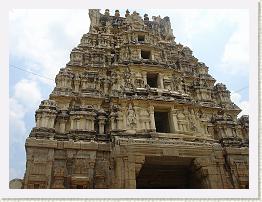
(139, 54)
(77, 124)
(139, 162)
(152, 118)
(82, 123)
(138, 122)
(45, 121)
(152, 55)
(72, 124)
(144, 75)
(173, 121)
(106, 84)
(38, 120)
(147, 125)
(119, 123)
(131, 173)
(92, 120)
(62, 126)
(124, 116)
(87, 127)
(160, 81)
(76, 84)
(112, 121)
(101, 124)
(51, 123)
(119, 173)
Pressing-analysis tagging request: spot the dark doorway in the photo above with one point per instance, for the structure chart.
(36, 186)
(168, 173)
(145, 54)
(162, 122)
(79, 186)
(141, 38)
(152, 80)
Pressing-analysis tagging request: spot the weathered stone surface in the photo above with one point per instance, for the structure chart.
(16, 184)
(134, 109)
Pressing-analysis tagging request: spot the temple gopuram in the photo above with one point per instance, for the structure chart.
(133, 109)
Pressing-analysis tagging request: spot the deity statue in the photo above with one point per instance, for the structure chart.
(127, 13)
(94, 15)
(131, 116)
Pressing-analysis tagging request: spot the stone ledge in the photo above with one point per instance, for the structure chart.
(33, 142)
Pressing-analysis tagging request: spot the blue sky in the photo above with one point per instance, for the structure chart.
(41, 41)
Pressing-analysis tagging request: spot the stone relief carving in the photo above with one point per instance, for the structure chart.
(131, 117)
(103, 100)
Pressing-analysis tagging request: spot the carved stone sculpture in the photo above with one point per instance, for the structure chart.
(134, 109)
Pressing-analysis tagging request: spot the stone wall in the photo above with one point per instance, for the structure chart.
(129, 94)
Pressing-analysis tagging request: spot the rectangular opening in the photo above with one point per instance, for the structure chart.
(36, 186)
(152, 80)
(141, 38)
(145, 54)
(159, 172)
(79, 186)
(162, 122)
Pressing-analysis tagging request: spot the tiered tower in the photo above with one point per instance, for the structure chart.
(134, 109)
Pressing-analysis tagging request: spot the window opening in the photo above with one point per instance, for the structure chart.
(145, 54)
(141, 38)
(162, 122)
(152, 80)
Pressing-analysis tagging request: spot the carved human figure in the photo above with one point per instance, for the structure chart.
(127, 13)
(77, 82)
(131, 116)
(94, 16)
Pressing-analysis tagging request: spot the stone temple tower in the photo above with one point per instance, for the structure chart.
(134, 109)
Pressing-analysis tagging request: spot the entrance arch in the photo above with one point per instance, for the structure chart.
(165, 172)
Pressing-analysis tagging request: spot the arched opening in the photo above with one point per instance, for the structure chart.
(169, 173)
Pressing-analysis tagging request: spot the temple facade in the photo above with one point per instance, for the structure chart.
(134, 109)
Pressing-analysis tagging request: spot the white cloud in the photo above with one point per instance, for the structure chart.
(26, 97)
(25, 100)
(195, 24)
(236, 53)
(16, 121)
(27, 93)
(44, 38)
(242, 104)
(15, 173)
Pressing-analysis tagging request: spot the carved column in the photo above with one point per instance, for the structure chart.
(144, 75)
(124, 116)
(72, 123)
(38, 120)
(119, 173)
(87, 125)
(112, 121)
(152, 55)
(152, 118)
(62, 125)
(138, 123)
(51, 123)
(106, 85)
(92, 128)
(77, 83)
(173, 122)
(131, 172)
(160, 81)
(119, 123)
(77, 123)
(82, 123)
(101, 123)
